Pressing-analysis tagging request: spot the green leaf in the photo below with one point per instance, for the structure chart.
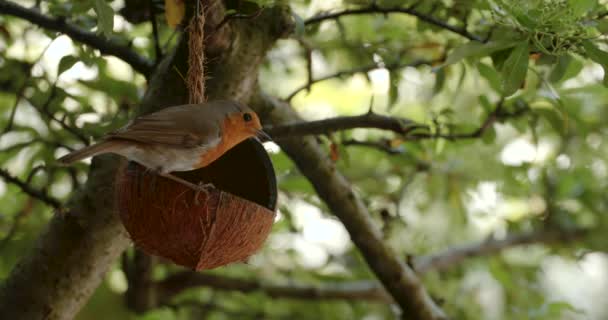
(515, 69)
(560, 68)
(299, 27)
(489, 135)
(556, 309)
(581, 7)
(105, 17)
(499, 58)
(485, 103)
(554, 117)
(599, 56)
(477, 49)
(490, 74)
(439, 81)
(602, 26)
(393, 91)
(66, 63)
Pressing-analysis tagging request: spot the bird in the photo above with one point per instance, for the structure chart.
(179, 138)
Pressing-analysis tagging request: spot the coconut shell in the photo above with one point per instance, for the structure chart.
(199, 230)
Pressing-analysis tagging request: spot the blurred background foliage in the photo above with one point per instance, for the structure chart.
(515, 105)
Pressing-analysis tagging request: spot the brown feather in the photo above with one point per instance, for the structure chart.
(92, 150)
(185, 126)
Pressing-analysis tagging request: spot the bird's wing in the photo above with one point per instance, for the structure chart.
(181, 126)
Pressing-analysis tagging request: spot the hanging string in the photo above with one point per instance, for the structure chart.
(196, 56)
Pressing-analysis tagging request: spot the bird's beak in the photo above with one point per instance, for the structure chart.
(262, 136)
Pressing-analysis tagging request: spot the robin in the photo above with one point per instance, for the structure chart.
(179, 138)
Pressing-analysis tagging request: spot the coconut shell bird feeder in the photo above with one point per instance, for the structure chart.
(201, 230)
(195, 229)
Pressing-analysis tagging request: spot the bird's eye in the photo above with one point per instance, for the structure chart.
(247, 117)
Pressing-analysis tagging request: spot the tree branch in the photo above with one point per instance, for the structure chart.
(141, 293)
(410, 130)
(368, 68)
(397, 277)
(363, 290)
(375, 9)
(44, 110)
(105, 46)
(381, 145)
(498, 114)
(455, 255)
(369, 120)
(60, 273)
(28, 189)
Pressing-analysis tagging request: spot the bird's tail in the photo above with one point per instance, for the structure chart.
(93, 150)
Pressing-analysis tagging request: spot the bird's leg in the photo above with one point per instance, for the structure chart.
(180, 180)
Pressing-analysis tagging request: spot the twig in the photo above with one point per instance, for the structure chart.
(375, 9)
(496, 115)
(28, 189)
(408, 129)
(369, 120)
(381, 145)
(44, 110)
(455, 255)
(308, 55)
(21, 89)
(368, 68)
(361, 290)
(105, 46)
(33, 172)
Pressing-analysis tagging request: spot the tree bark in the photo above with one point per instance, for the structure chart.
(398, 278)
(61, 272)
(56, 278)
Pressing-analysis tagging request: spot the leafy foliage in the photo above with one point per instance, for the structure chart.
(515, 109)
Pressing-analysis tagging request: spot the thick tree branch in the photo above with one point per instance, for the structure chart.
(340, 74)
(375, 9)
(105, 46)
(68, 262)
(363, 290)
(397, 277)
(56, 278)
(455, 255)
(28, 189)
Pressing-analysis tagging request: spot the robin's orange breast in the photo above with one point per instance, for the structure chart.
(232, 134)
